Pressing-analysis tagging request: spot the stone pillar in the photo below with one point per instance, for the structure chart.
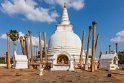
(109, 49)
(88, 46)
(97, 39)
(40, 45)
(93, 47)
(106, 52)
(45, 49)
(21, 42)
(36, 52)
(24, 42)
(99, 59)
(8, 53)
(25, 45)
(116, 47)
(27, 49)
(82, 50)
(96, 44)
(32, 57)
(100, 54)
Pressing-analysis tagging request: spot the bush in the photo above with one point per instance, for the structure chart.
(1, 61)
(121, 57)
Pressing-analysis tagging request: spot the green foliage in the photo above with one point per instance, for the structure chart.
(2, 61)
(43, 53)
(121, 57)
(14, 35)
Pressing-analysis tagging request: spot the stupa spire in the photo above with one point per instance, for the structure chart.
(64, 4)
(65, 18)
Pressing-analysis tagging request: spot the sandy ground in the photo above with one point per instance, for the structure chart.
(31, 76)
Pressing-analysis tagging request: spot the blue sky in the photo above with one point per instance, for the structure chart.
(43, 15)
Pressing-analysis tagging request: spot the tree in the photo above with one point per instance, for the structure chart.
(14, 36)
(121, 57)
(2, 60)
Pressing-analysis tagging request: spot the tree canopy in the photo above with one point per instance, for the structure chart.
(121, 57)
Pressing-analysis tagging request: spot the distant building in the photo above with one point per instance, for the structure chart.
(109, 61)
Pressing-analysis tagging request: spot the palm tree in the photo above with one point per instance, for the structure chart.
(14, 36)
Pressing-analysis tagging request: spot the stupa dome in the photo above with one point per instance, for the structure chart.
(64, 39)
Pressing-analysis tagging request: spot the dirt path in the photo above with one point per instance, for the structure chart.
(31, 76)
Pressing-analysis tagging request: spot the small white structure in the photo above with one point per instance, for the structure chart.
(109, 61)
(20, 61)
(41, 71)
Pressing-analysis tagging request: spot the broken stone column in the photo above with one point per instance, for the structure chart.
(40, 70)
(8, 53)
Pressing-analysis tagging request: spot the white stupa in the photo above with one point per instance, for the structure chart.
(64, 45)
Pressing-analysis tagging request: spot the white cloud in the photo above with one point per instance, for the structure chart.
(35, 40)
(119, 37)
(76, 4)
(21, 34)
(29, 9)
(121, 33)
(3, 36)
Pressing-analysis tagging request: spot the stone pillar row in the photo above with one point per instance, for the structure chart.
(28, 49)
